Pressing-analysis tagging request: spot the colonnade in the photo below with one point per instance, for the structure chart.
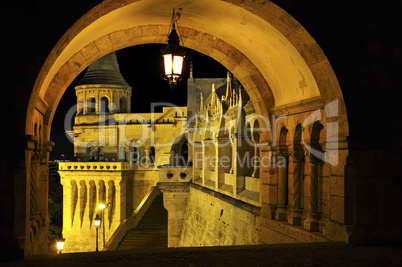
(296, 188)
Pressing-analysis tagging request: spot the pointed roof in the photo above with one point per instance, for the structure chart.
(104, 71)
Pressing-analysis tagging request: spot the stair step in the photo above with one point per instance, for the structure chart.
(151, 231)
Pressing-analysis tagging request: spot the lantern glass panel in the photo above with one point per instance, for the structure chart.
(168, 63)
(177, 64)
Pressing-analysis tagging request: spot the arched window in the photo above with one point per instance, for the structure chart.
(91, 105)
(152, 155)
(104, 105)
(91, 152)
(184, 153)
(123, 105)
(133, 154)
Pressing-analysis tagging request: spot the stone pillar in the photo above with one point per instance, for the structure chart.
(92, 202)
(280, 213)
(233, 168)
(269, 180)
(197, 161)
(244, 152)
(121, 190)
(224, 155)
(146, 163)
(296, 160)
(208, 152)
(70, 194)
(175, 196)
(67, 203)
(256, 163)
(311, 223)
(111, 203)
(83, 201)
(101, 192)
(85, 104)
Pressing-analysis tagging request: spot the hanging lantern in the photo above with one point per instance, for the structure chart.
(173, 54)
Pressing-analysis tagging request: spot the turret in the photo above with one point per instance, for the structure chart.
(103, 89)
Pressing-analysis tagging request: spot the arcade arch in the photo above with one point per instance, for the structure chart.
(274, 58)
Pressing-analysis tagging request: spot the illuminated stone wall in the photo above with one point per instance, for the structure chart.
(216, 220)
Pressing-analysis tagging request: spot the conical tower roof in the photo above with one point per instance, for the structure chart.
(104, 71)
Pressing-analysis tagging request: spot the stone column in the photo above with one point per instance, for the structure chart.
(280, 213)
(208, 152)
(101, 192)
(197, 160)
(85, 104)
(83, 202)
(111, 202)
(121, 190)
(146, 163)
(256, 171)
(224, 155)
(74, 197)
(311, 223)
(175, 196)
(269, 180)
(67, 203)
(70, 229)
(233, 168)
(296, 160)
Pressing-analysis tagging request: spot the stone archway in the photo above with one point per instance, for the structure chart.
(273, 56)
(275, 59)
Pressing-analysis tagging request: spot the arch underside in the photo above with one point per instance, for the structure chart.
(282, 68)
(272, 56)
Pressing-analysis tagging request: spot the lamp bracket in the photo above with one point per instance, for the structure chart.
(173, 22)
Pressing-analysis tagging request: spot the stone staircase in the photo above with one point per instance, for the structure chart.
(152, 230)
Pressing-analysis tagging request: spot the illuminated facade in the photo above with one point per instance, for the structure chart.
(284, 70)
(116, 154)
(121, 157)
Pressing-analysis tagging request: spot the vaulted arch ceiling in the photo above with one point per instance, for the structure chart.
(272, 55)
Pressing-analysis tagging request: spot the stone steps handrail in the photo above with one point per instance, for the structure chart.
(133, 221)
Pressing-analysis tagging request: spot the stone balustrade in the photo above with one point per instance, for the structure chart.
(244, 188)
(94, 166)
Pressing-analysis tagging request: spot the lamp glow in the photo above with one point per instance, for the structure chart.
(173, 54)
(101, 206)
(60, 245)
(97, 220)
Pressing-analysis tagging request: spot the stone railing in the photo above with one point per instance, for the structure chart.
(243, 188)
(94, 166)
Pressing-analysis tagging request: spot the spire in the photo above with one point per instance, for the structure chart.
(228, 86)
(104, 71)
(191, 70)
(202, 104)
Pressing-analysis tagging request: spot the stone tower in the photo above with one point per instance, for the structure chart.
(103, 89)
